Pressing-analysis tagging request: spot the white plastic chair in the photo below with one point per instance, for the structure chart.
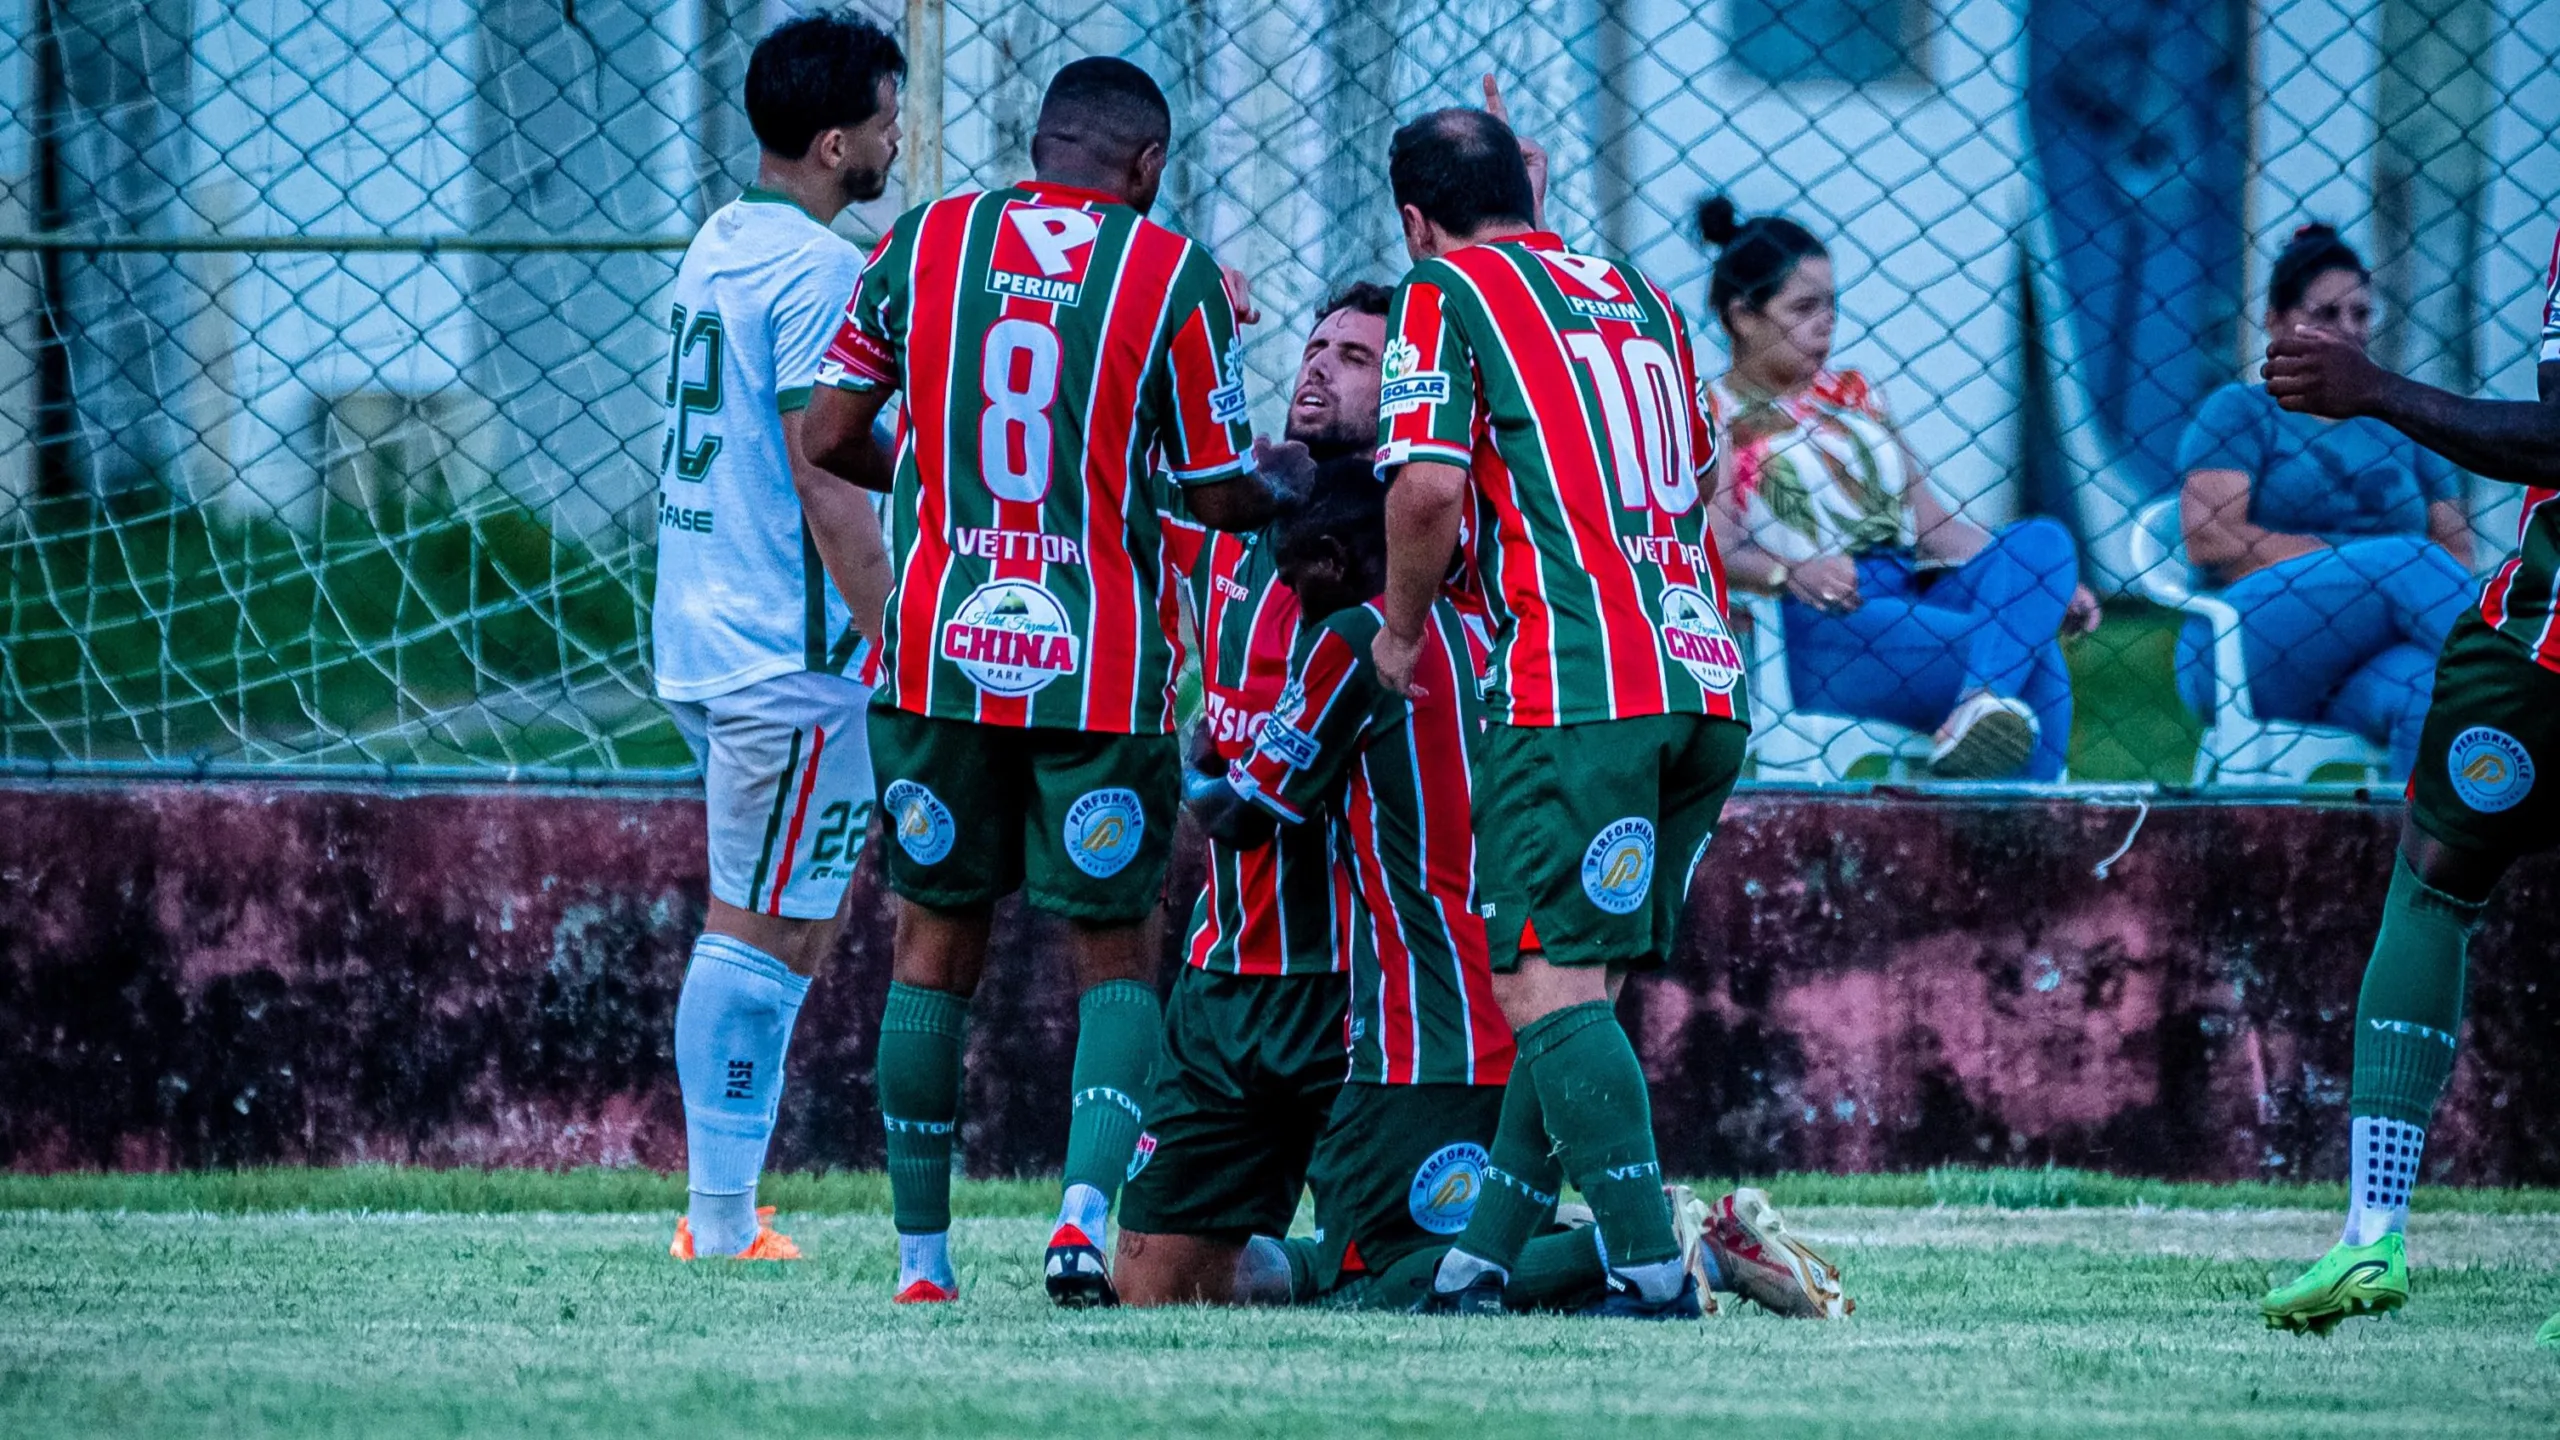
(2239, 748)
(1791, 745)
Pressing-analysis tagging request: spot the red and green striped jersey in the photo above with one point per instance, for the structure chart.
(1066, 364)
(1564, 384)
(1391, 778)
(1274, 909)
(2522, 599)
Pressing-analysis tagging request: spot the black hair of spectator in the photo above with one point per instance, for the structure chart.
(818, 72)
(2314, 251)
(1462, 169)
(1107, 108)
(1754, 257)
(1365, 297)
(1345, 503)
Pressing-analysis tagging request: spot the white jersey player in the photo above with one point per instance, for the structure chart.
(764, 565)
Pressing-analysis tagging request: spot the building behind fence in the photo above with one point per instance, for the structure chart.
(332, 335)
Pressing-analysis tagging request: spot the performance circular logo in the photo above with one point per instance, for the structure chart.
(2491, 770)
(923, 822)
(1444, 1189)
(1103, 830)
(1617, 867)
(1010, 637)
(1695, 635)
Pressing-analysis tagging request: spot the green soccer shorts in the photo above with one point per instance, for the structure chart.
(1398, 1171)
(1574, 824)
(1243, 1083)
(2484, 778)
(1081, 822)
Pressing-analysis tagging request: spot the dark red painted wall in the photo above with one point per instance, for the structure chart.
(221, 975)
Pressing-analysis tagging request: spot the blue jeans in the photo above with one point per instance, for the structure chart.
(2345, 636)
(1909, 652)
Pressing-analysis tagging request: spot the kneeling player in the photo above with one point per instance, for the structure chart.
(2480, 798)
(1403, 1156)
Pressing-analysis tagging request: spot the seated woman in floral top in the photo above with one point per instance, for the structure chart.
(1896, 607)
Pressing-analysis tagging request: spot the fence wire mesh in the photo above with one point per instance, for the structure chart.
(330, 385)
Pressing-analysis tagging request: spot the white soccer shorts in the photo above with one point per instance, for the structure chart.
(786, 774)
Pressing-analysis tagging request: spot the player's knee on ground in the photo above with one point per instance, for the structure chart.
(1175, 1269)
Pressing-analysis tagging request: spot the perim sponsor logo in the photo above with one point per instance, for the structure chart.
(1041, 253)
(1011, 637)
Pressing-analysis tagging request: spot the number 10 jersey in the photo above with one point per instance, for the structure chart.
(1565, 386)
(1063, 360)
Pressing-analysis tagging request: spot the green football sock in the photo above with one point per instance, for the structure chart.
(1558, 1272)
(1522, 1174)
(1597, 1108)
(922, 1036)
(1119, 1024)
(2409, 1013)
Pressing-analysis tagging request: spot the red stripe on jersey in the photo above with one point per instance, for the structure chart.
(934, 293)
(1395, 1018)
(1141, 289)
(1260, 941)
(1446, 783)
(1581, 489)
(1422, 329)
(1204, 440)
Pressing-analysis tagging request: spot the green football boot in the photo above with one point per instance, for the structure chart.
(2350, 1280)
(2548, 1337)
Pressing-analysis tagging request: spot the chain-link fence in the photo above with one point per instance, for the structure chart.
(329, 383)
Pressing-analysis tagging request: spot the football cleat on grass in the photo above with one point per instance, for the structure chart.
(1077, 1277)
(769, 1244)
(1624, 1303)
(2548, 1337)
(1689, 1227)
(1480, 1296)
(1989, 737)
(922, 1291)
(2350, 1280)
(1769, 1267)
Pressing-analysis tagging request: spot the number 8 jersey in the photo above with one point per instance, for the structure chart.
(1063, 360)
(1565, 385)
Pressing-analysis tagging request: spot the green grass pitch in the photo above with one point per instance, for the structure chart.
(441, 1305)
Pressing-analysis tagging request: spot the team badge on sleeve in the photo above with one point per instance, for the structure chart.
(925, 828)
(1444, 1189)
(1103, 829)
(1404, 385)
(2491, 770)
(1617, 867)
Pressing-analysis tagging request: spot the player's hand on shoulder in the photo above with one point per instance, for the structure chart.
(2321, 373)
(1394, 656)
(1240, 295)
(1286, 466)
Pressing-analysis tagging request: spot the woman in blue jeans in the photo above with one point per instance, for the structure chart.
(1896, 607)
(2342, 543)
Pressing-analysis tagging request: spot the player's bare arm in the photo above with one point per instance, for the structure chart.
(1238, 505)
(840, 437)
(1423, 509)
(845, 529)
(2517, 441)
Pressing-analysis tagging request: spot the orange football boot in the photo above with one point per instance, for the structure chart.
(769, 1244)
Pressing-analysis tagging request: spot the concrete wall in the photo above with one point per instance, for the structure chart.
(213, 975)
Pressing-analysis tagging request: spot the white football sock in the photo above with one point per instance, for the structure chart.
(1087, 1209)
(733, 1029)
(1656, 1282)
(2382, 1168)
(926, 1257)
(1458, 1270)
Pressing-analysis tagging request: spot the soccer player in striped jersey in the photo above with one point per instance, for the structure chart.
(1068, 367)
(2484, 793)
(1251, 1056)
(1549, 401)
(751, 642)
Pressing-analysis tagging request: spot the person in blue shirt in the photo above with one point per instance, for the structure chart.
(2342, 543)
